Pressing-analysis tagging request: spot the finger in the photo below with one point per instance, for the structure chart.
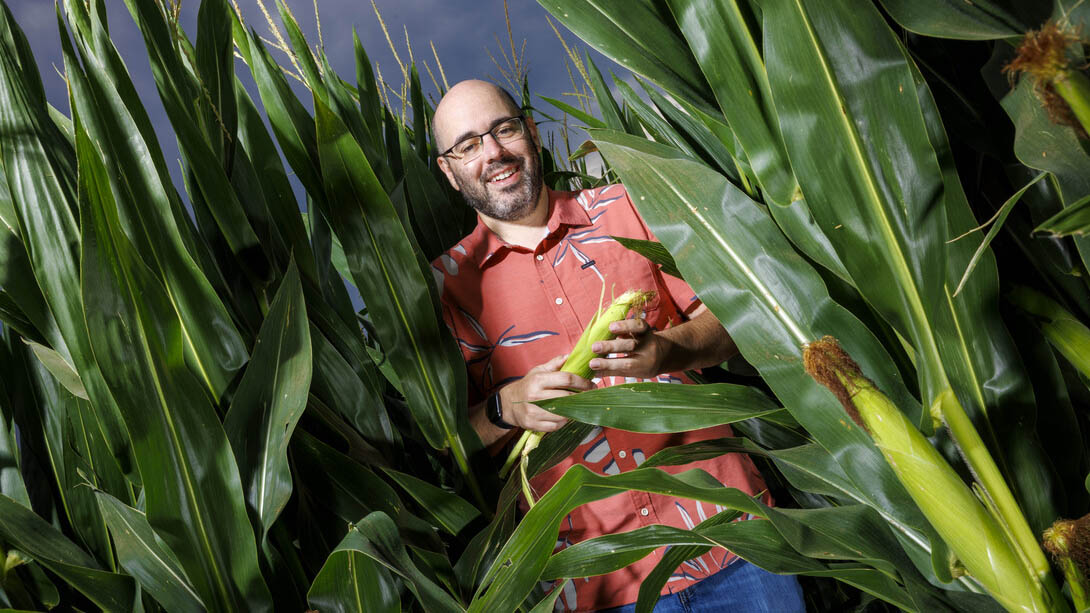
(635, 326)
(560, 381)
(550, 366)
(618, 345)
(615, 367)
(549, 426)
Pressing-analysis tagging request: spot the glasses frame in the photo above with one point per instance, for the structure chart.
(521, 117)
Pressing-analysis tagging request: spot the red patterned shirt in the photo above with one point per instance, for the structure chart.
(512, 308)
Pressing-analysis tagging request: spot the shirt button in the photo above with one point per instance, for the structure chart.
(540, 257)
(560, 301)
(644, 511)
(622, 454)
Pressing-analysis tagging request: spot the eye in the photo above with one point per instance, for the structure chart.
(467, 147)
(507, 130)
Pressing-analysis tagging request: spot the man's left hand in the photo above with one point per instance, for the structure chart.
(641, 351)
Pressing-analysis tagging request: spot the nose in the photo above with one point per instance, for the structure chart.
(491, 149)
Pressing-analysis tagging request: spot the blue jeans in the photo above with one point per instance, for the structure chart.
(738, 588)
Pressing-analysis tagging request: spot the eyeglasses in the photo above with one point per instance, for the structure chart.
(470, 148)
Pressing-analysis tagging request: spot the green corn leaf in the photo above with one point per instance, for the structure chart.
(727, 241)
(400, 301)
(352, 582)
(663, 407)
(288, 118)
(702, 450)
(192, 486)
(660, 130)
(32, 535)
(1072, 221)
(55, 363)
(448, 510)
(607, 106)
(367, 90)
(154, 217)
(982, 20)
(589, 120)
(652, 251)
(39, 167)
(375, 536)
(216, 77)
(549, 602)
(269, 401)
(254, 141)
(177, 85)
(522, 560)
(996, 225)
(882, 217)
(437, 221)
(147, 558)
(634, 35)
(721, 37)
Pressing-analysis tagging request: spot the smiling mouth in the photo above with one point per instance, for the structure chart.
(503, 176)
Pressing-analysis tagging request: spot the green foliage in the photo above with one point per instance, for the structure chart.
(193, 416)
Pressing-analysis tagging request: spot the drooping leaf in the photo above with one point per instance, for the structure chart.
(449, 510)
(59, 368)
(350, 581)
(663, 407)
(1073, 220)
(983, 20)
(32, 535)
(652, 251)
(384, 545)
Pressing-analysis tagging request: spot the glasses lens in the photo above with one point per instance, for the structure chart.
(468, 148)
(508, 130)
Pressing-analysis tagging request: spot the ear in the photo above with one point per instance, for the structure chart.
(532, 126)
(444, 165)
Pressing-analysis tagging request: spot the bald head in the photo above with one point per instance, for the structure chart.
(468, 104)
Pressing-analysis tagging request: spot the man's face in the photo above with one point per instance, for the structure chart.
(505, 180)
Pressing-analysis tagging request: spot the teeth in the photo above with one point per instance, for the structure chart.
(502, 176)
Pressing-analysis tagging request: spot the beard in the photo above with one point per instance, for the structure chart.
(512, 202)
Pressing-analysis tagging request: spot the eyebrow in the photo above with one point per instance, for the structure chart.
(468, 133)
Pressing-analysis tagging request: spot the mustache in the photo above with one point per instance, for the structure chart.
(494, 167)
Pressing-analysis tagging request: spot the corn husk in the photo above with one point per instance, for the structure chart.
(578, 363)
(972, 533)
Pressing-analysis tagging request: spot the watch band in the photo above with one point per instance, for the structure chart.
(494, 409)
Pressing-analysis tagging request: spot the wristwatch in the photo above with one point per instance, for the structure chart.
(493, 407)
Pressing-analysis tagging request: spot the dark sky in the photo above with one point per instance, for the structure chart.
(463, 31)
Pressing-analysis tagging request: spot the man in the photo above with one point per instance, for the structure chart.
(517, 293)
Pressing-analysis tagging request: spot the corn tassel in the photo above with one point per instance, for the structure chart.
(578, 363)
(946, 501)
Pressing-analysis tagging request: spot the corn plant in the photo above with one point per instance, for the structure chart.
(193, 416)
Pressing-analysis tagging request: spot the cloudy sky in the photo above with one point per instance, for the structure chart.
(463, 31)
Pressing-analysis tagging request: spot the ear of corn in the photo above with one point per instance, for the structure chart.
(960, 519)
(578, 363)
(1069, 543)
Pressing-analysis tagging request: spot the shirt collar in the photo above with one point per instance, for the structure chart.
(483, 245)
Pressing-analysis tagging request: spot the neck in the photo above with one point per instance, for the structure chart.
(527, 231)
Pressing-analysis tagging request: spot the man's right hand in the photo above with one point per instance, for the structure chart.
(542, 382)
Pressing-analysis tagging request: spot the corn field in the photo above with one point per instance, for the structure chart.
(884, 203)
